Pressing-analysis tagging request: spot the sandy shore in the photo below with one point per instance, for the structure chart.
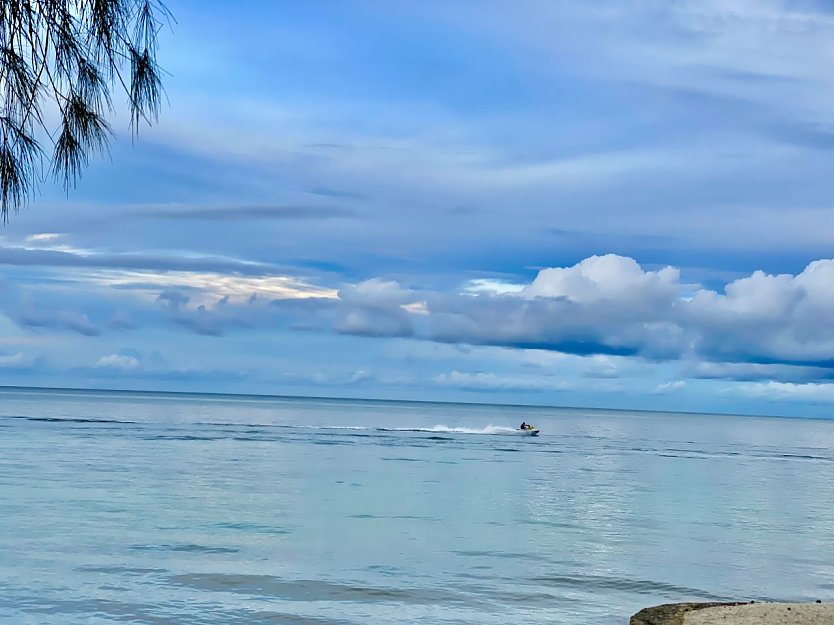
(763, 614)
(736, 614)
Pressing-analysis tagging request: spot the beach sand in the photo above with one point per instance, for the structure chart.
(763, 614)
(736, 614)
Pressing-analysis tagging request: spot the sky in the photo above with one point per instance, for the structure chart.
(601, 204)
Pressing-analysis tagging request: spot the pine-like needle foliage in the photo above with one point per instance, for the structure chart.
(59, 60)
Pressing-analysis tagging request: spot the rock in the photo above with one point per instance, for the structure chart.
(739, 613)
(671, 613)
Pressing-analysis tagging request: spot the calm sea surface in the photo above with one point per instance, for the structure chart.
(163, 509)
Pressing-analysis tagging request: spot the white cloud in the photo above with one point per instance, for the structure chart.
(608, 277)
(361, 375)
(378, 307)
(668, 387)
(209, 287)
(492, 381)
(823, 392)
(416, 308)
(602, 305)
(378, 293)
(488, 285)
(600, 366)
(16, 361)
(332, 376)
(610, 306)
(43, 237)
(118, 362)
(768, 318)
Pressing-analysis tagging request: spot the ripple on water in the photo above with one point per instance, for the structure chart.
(189, 548)
(625, 584)
(406, 517)
(250, 527)
(318, 590)
(163, 614)
(70, 420)
(119, 570)
(486, 553)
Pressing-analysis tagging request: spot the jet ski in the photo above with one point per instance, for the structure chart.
(529, 430)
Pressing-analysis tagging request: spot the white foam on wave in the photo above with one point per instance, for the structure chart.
(434, 429)
(445, 429)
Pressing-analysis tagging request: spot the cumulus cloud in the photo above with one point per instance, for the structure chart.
(607, 278)
(205, 321)
(378, 293)
(603, 305)
(610, 305)
(31, 315)
(768, 318)
(379, 307)
(173, 298)
(219, 317)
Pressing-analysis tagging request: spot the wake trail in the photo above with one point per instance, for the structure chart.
(434, 429)
(445, 429)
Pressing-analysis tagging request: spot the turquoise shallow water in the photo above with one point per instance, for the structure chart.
(143, 508)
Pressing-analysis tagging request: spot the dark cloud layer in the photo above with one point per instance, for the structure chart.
(27, 257)
(246, 213)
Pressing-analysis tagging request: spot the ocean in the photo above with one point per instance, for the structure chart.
(121, 507)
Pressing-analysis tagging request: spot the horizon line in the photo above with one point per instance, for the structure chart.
(4, 387)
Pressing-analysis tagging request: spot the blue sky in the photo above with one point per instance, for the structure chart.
(596, 204)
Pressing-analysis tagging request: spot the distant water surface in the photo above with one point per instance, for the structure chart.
(196, 509)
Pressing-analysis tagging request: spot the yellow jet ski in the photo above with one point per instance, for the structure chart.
(529, 430)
